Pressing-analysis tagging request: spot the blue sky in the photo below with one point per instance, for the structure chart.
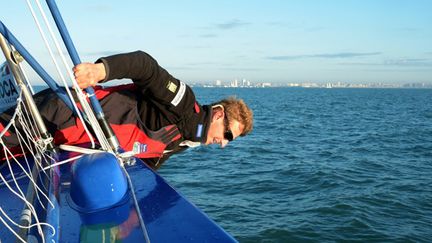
(276, 41)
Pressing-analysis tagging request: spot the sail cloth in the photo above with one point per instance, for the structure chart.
(9, 91)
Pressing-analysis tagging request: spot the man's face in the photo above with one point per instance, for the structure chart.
(218, 132)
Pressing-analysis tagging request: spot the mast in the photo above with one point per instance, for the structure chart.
(106, 128)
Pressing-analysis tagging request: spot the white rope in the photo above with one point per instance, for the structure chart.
(81, 150)
(38, 145)
(81, 96)
(25, 227)
(141, 220)
(10, 228)
(16, 178)
(55, 62)
(6, 128)
(34, 154)
(62, 162)
(24, 118)
(25, 172)
(29, 175)
(28, 83)
(25, 121)
(30, 141)
(20, 193)
(27, 203)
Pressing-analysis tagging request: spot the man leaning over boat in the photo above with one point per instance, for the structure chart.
(155, 116)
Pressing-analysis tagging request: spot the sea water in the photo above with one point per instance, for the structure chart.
(321, 165)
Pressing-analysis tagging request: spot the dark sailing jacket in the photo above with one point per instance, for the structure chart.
(151, 117)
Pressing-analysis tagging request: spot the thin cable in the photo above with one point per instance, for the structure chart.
(82, 98)
(23, 118)
(10, 228)
(28, 204)
(28, 84)
(8, 154)
(6, 128)
(141, 220)
(62, 162)
(28, 175)
(27, 227)
(55, 62)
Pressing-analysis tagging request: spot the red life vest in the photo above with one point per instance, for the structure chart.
(132, 134)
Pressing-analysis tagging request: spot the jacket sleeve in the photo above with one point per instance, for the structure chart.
(153, 81)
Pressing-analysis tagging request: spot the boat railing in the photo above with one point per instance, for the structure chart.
(36, 149)
(37, 146)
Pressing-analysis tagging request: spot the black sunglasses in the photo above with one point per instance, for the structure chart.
(228, 133)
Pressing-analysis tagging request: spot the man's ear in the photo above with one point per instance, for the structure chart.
(218, 112)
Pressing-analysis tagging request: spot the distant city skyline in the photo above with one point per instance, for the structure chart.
(386, 41)
(244, 83)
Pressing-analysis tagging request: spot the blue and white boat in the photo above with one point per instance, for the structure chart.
(91, 193)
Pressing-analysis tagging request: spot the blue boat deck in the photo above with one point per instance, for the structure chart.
(168, 216)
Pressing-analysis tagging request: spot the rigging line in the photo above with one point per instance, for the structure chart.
(102, 124)
(27, 130)
(25, 172)
(27, 162)
(29, 126)
(77, 149)
(48, 25)
(62, 162)
(58, 70)
(141, 220)
(96, 127)
(30, 208)
(44, 169)
(27, 203)
(17, 116)
(55, 62)
(82, 98)
(11, 180)
(72, 149)
(10, 228)
(15, 180)
(50, 50)
(12, 120)
(24, 73)
(27, 227)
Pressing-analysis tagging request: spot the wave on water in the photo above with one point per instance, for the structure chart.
(321, 165)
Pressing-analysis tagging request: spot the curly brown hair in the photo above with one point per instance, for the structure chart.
(238, 110)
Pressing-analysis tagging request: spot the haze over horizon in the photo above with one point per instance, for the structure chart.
(272, 41)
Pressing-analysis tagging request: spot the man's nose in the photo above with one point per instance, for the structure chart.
(224, 143)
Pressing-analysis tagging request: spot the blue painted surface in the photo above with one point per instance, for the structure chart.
(108, 183)
(168, 216)
(9, 202)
